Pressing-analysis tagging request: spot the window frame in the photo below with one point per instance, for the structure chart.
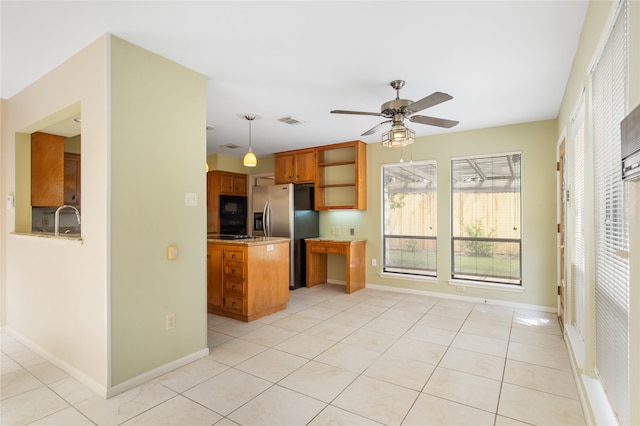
(407, 272)
(489, 281)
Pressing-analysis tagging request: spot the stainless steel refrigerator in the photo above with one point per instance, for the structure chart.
(286, 211)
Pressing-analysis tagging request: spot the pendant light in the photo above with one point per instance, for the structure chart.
(250, 159)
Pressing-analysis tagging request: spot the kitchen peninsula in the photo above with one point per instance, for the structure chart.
(247, 278)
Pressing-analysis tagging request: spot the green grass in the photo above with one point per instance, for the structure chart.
(503, 266)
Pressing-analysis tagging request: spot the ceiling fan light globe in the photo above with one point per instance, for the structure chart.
(398, 137)
(250, 159)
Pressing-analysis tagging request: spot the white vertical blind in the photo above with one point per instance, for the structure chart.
(577, 198)
(612, 234)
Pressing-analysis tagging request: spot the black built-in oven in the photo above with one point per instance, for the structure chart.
(232, 206)
(232, 210)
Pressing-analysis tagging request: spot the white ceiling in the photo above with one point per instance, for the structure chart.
(503, 61)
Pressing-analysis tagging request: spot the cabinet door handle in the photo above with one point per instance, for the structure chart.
(233, 256)
(233, 303)
(233, 287)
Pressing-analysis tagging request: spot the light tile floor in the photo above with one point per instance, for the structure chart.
(369, 358)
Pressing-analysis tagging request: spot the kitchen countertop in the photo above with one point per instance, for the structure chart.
(253, 241)
(61, 236)
(338, 240)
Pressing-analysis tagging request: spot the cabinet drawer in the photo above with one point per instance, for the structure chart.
(234, 255)
(329, 248)
(234, 270)
(232, 303)
(235, 287)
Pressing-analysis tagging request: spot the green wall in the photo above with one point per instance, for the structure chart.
(537, 143)
(158, 144)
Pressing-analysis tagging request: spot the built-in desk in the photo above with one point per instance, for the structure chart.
(355, 256)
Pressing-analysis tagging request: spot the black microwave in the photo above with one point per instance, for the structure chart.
(232, 206)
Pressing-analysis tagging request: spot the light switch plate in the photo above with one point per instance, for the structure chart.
(10, 202)
(190, 199)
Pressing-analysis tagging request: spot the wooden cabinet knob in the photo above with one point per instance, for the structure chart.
(233, 287)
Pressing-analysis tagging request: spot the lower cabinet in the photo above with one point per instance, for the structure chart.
(247, 281)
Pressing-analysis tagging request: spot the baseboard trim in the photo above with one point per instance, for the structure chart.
(94, 385)
(68, 368)
(155, 373)
(528, 306)
(595, 403)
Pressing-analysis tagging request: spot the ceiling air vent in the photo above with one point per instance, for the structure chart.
(290, 120)
(230, 146)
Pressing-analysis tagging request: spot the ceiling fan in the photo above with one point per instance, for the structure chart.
(399, 109)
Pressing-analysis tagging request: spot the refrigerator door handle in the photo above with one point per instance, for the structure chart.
(266, 219)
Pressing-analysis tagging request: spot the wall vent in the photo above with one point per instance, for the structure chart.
(290, 120)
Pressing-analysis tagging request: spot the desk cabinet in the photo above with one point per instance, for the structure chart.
(355, 258)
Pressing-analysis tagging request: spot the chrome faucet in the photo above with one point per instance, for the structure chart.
(57, 218)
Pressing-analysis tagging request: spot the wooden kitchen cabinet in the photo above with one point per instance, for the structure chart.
(232, 183)
(55, 174)
(354, 252)
(72, 179)
(247, 280)
(341, 177)
(222, 183)
(214, 276)
(297, 166)
(47, 170)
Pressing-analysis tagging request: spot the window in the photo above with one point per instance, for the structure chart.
(409, 217)
(609, 82)
(578, 200)
(485, 218)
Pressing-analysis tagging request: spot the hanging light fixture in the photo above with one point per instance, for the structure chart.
(399, 136)
(250, 159)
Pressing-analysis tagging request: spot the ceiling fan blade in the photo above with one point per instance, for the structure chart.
(375, 128)
(433, 99)
(341, 111)
(432, 121)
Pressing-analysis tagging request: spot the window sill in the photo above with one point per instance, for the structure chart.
(487, 286)
(409, 277)
(49, 235)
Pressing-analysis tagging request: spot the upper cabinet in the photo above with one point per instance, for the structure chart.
(295, 166)
(222, 183)
(72, 179)
(55, 174)
(228, 183)
(341, 176)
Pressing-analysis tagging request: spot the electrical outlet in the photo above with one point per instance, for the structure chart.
(374, 262)
(352, 231)
(45, 221)
(170, 321)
